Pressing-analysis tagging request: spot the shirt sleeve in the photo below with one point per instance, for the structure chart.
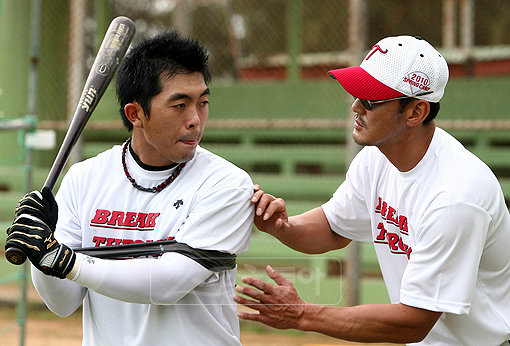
(347, 210)
(68, 229)
(442, 271)
(62, 297)
(162, 281)
(222, 219)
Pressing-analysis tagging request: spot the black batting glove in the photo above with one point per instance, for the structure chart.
(42, 205)
(32, 232)
(36, 240)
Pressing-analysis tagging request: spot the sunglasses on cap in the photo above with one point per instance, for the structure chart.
(369, 105)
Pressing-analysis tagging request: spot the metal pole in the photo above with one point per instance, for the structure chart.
(449, 23)
(35, 25)
(182, 17)
(294, 28)
(357, 42)
(233, 43)
(467, 32)
(467, 24)
(75, 65)
(102, 16)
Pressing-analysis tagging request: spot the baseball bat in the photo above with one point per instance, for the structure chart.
(108, 58)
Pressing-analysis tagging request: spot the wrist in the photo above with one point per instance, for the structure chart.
(304, 322)
(76, 267)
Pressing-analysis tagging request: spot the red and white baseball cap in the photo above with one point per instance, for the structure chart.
(394, 67)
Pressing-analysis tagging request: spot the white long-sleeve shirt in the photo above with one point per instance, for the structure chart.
(170, 299)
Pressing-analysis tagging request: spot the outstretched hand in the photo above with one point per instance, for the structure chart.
(279, 305)
(270, 212)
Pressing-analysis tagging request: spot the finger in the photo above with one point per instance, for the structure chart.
(264, 199)
(20, 244)
(276, 205)
(260, 317)
(276, 276)
(46, 192)
(22, 219)
(248, 316)
(16, 232)
(265, 202)
(252, 304)
(256, 196)
(34, 195)
(250, 292)
(28, 225)
(30, 201)
(25, 208)
(259, 284)
(262, 308)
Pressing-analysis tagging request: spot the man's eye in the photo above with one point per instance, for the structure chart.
(180, 105)
(205, 103)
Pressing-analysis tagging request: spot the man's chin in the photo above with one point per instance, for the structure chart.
(185, 157)
(359, 139)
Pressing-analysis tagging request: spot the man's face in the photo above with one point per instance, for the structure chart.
(178, 115)
(381, 126)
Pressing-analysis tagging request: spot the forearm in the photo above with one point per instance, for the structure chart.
(310, 233)
(61, 296)
(144, 281)
(396, 323)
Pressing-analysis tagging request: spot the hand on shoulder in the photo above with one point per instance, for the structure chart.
(270, 212)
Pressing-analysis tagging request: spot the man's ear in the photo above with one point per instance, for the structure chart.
(419, 109)
(135, 114)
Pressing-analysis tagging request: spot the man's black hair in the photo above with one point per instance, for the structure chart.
(434, 108)
(167, 53)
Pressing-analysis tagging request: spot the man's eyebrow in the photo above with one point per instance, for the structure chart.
(205, 92)
(178, 96)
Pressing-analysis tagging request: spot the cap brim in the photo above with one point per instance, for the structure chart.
(359, 83)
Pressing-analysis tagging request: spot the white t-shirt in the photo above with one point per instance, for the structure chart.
(169, 300)
(441, 233)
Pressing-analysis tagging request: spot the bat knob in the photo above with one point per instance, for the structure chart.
(15, 256)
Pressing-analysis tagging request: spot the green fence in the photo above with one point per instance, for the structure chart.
(20, 169)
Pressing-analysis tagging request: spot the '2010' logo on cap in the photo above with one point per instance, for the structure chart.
(418, 82)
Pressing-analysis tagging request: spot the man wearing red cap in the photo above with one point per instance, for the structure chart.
(435, 213)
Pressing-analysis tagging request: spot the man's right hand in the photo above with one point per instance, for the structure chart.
(270, 212)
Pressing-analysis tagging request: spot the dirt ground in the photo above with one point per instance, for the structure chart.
(45, 329)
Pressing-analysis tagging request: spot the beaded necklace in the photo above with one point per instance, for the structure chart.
(153, 189)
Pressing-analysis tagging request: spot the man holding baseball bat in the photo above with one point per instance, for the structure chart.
(158, 185)
(434, 212)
